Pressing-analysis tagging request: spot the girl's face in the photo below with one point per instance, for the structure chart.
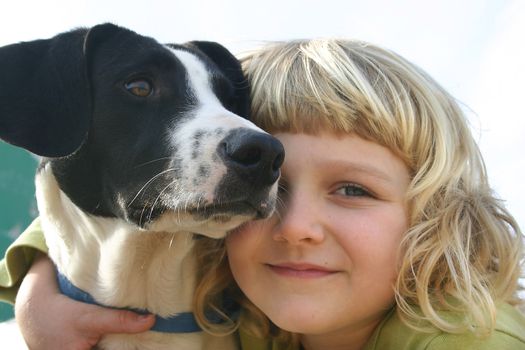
(325, 263)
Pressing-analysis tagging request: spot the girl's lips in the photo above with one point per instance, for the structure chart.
(300, 270)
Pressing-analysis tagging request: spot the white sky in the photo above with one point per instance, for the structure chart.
(474, 48)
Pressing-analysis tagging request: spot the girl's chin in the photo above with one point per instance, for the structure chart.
(300, 322)
(302, 328)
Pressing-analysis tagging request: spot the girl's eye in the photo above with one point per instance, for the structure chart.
(139, 87)
(353, 190)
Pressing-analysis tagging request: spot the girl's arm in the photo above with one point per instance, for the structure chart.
(50, 320)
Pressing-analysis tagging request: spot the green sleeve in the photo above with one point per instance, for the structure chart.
(509, 334)
(498, 340)
(18, 259)
(251, 342)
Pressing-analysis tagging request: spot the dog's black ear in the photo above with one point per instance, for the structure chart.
(45, 95)
(231, 68)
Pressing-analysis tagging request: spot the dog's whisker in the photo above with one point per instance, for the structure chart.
(148, 183)
(171, 241)
(142, 212)
(280, 205)
(151, 161)
(158, 197)
(181, 204)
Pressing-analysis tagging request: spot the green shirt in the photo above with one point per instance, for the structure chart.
(509, 333)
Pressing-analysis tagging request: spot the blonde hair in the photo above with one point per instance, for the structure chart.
(463, 250)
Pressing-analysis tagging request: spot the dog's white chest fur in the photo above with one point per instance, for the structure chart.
(127, 267)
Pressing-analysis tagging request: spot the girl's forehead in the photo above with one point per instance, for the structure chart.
(328, 151)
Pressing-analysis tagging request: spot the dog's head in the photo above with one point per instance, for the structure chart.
(141, 131)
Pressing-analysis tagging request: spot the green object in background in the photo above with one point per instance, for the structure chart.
(17, 199)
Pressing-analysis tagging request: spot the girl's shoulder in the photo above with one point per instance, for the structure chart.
(18, 259)
(509, 334)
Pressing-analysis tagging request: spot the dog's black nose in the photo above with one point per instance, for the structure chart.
(255, 156)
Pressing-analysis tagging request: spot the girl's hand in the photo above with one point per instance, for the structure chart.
(50, 320)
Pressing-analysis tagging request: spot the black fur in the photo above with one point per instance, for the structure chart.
(45, 100)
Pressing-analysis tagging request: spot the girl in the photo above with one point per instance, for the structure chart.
(387, 236)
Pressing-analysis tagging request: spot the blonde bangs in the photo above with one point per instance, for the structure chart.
(293, 91)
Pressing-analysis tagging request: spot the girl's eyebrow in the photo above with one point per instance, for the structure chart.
(357, 167)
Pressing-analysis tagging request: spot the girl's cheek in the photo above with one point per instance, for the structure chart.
(248, 237)
(240, 234)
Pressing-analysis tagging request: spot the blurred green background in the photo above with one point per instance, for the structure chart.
(17, 199)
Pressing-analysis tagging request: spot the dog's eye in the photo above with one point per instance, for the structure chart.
(139, 87)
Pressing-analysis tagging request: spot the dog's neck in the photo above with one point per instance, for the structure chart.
(116, 262)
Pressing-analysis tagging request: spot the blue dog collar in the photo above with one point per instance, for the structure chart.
(184, 322)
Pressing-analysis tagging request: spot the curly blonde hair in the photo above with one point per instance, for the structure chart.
(463, 251)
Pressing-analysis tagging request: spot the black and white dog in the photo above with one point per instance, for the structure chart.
(143, 148)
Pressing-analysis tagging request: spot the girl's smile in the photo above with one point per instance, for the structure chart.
(301, 270)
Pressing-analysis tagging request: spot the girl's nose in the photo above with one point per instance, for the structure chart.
(299, 221)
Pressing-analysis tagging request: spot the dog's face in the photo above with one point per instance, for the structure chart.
(159, 140)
